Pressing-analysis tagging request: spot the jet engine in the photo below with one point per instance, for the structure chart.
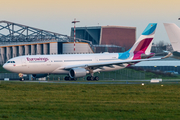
(77, 72)
(39, 75)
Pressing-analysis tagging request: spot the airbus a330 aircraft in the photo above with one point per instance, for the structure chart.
(78, 65)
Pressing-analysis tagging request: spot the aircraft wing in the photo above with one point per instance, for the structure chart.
(118, 62)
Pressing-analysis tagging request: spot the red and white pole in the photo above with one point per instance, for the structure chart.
(75, 31)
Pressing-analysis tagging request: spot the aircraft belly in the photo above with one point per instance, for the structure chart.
(112, 68)
(36, 69)
(60, 72)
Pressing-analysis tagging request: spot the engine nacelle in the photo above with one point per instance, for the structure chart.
(39, 75)
(77, 72)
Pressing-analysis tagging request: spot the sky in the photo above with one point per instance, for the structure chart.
(57, 15)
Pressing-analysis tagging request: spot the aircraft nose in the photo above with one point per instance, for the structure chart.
(5, 66)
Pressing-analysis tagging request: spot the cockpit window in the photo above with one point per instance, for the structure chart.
(10, 61)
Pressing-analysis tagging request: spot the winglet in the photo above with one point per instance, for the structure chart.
(168, 55)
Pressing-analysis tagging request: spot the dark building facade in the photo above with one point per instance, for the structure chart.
(120, 36)
(107, 35)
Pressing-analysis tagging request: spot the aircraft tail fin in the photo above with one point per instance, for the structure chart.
(173, 32)
(144, 43)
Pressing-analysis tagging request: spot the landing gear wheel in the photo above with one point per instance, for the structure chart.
(88, 78)
(91, 78)
(96, 78)
(67, 78)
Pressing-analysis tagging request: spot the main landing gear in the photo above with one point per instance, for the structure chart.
(91, 78)
(68, 78)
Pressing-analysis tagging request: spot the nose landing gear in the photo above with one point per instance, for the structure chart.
(21, 77)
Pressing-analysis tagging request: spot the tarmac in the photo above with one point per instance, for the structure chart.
(111, 82)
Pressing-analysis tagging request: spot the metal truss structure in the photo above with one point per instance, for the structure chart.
(12, 32)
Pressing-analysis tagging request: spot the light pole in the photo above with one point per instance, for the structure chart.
(75, 30)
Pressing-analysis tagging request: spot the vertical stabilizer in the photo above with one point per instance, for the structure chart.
(144, 43)
(173, 32)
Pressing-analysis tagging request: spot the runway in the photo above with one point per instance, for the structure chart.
(110, 82)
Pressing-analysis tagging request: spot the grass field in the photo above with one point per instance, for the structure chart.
(22, 100)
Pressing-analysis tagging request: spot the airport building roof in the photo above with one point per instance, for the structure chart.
(13, 33)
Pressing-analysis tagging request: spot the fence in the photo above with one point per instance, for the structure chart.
(12, 76)
(123, 74)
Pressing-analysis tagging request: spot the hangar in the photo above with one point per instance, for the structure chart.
(121, 36)
(17, 39)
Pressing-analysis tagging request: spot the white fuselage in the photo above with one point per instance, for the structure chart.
(38, 64)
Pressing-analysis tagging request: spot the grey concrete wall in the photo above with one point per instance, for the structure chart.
(3, 54)
(80, 48)
(45, 50)
(53, 48)
(14, 49)
(21, 50)
(8, 52)
(26, 49)
(39, 49)
(33, 50)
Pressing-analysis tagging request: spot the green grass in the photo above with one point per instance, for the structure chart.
(22, 100)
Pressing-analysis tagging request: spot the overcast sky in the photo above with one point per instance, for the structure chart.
(57, 15)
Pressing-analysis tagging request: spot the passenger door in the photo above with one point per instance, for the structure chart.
(23, 60)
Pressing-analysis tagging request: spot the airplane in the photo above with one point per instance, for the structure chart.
(173, 32)
(79, 65)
